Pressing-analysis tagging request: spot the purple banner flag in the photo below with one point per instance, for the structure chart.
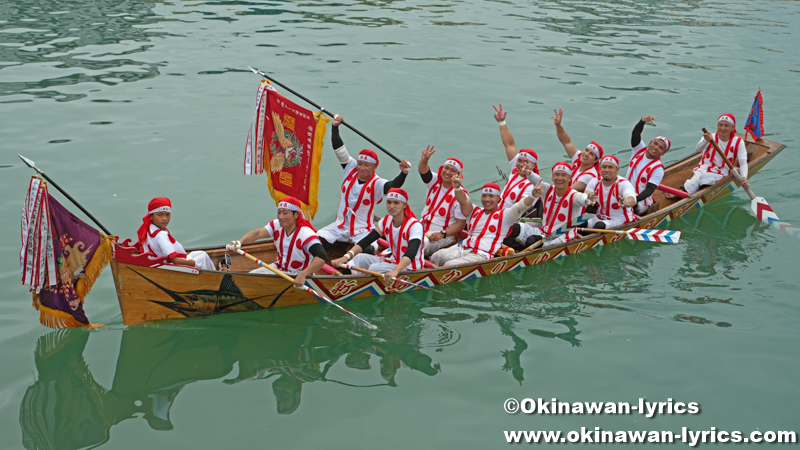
(80, 252)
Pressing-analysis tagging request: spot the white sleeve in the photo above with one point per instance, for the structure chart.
(639, 147)
(741, 155)
(342, 155)
(626, 189)
(534, 178)
(415, 232)
(701, 146)
(163, 245)
(580, 200)
(512, 215)
(591, 184)
(270, 227)
(350, 164)
(434, 177)
(379, 185)
(456, 210)
(656, 176)
(513, 162)
(309, 240)
(586, 178)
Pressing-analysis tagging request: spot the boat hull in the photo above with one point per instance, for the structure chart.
(168, 292)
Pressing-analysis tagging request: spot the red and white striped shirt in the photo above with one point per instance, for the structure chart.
(357, 200)
(399, 237)
(293, 250)
(711, 162)
(441, 207)
(608, 204)
(643, 170)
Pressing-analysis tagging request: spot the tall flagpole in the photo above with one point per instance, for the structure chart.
(32, 165)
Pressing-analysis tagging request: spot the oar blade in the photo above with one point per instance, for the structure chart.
(765, 214)
(662, 236)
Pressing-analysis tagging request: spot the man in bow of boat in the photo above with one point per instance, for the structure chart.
(645, 170)
(361, 190)
(402, 231)
(517, 186)
(712, 168)
(442, 218)
(300, 252)
(562, 205)
(586, 163)
(614, 196)
(488, 226)
(154, 237)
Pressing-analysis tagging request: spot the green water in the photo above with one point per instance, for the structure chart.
(123, 101)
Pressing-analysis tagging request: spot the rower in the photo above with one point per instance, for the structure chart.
(361, 190)
(586, 163)
(562, 204)
(442, 217)
(403, 232)
(517, 186)
(488, 226)
(154, 237)
(712, 168)
(300, 252)
(615, 196)
(645, 170)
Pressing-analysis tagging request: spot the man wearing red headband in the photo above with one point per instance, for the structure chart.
(586, 163)
(562, 205)
(361, 190)
(403, 232)
(442, 217)
(300, 252)
(488, 226)
(517, 186)
(615, 196)
(712, 168)
(645, 170)
(154, 237)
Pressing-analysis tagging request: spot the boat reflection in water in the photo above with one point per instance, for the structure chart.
(67, 408)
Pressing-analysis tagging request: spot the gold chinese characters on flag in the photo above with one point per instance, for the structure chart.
(285, 140)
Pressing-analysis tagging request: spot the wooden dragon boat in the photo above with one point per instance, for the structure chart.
(151, 289)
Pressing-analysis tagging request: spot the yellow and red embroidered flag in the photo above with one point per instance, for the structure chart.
(286, 140)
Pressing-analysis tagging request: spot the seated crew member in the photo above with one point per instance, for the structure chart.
(154, 237)
(517, 186)
(403, 232)
(712, 168)
(614, 196)
(645, 170)
(561, 205)
(361, 190)
(442, 217)
(585, 164)
(488, 227)
(300, 252)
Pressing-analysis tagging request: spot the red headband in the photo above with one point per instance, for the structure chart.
(368, 156)
(490, 188)
(402, 195)
(158, 204)
(294, 205)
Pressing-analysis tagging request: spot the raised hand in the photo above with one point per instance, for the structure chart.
(499, 114)
(427, 153)
(708, 136)
(456, 180)
(649, 119)
(538, 190)
(405, 165)
(337, 120)
(559, 113)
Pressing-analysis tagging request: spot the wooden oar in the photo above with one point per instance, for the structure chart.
(258, 72)
(641, 234)
(305, 288)
(758, 204)
(380, 275)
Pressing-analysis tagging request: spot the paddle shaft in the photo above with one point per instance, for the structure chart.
(69, 197)
(326, 112)
(672, 191)
(734, 171)
(305, 288)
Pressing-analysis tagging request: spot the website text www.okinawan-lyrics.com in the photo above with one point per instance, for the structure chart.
(596, 435)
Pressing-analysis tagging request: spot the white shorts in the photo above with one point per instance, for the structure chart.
(332, 233)
(455, 255)
(201, 260)
(700, 178)
(373, 263)
(609, 223)
(432, 247)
